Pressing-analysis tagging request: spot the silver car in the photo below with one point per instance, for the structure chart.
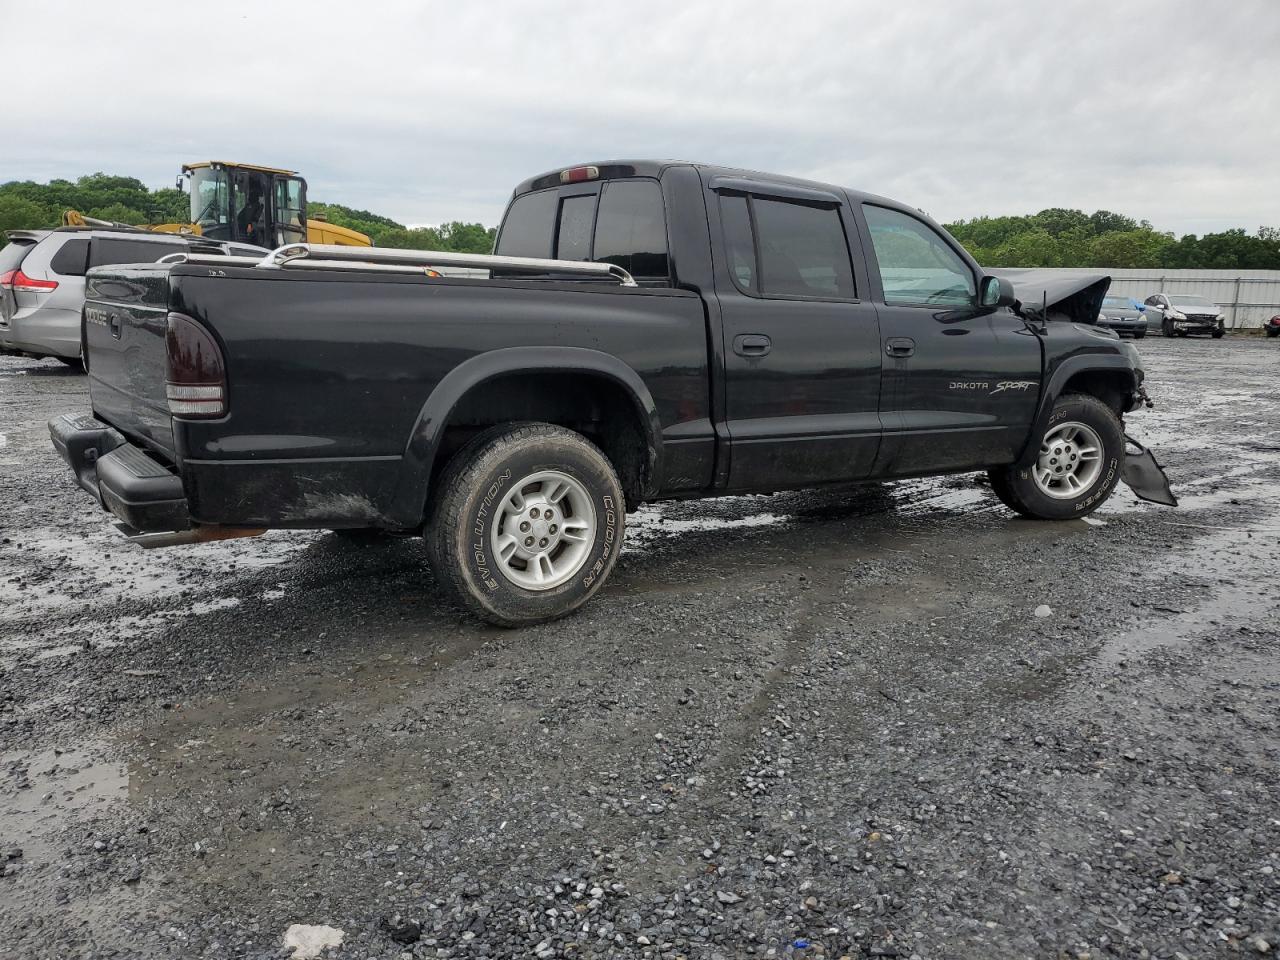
(42, 281)
(1180, 314)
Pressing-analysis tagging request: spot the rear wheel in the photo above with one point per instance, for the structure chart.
(526, 523)
(1080, 460)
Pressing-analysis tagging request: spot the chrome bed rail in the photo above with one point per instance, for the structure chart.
(321, 256)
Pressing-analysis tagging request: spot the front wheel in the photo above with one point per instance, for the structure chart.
(526, 523)
(1166, 327)
(1080, 460)
(1218, 333)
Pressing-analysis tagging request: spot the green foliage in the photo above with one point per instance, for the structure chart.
(1073, 238)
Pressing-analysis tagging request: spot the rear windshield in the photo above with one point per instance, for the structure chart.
(625, 224)
(12, 253)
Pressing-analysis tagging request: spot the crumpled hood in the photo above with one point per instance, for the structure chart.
(1072, 296)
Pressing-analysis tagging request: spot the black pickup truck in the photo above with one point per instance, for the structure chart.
(645, 330)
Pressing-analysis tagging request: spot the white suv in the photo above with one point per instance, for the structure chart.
(42, 281)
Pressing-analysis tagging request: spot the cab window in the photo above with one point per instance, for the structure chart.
(917, 266)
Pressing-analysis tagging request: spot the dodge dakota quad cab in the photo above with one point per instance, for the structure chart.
(644, 330)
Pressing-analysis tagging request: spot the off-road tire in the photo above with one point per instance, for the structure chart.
(468, 494)
(1016, 486)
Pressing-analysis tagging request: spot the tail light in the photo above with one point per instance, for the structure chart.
(18, 281)
(195, 376)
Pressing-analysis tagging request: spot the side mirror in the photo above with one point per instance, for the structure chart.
(996, 292)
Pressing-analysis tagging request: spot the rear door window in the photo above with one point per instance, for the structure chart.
(530, 226)
(785, 248)
(803, 251)
(110, 250)
(72, 258)
(917, 266)
(631, 229)
(573, 234)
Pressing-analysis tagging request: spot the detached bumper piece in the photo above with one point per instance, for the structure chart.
(1145, 477)
(142, 492)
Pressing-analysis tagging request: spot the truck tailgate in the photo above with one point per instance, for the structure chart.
(124, 331)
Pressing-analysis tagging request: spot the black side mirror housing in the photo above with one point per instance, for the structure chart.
(996, 292)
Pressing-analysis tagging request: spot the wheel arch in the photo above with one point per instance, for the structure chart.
(1111, 379)
(530, 369)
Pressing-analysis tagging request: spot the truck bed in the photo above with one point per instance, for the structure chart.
(330, 373)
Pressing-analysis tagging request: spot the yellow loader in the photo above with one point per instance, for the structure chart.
(245, 203)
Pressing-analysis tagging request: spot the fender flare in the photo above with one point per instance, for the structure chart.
(428, 430)
(1085, 363)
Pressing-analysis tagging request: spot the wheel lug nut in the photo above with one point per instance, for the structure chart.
(524, 527)
(534, 513)
(547, 513)
(554, 528)
(528, 541)
(542, 542)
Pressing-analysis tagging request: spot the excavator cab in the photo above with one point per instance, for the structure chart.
(238, 202)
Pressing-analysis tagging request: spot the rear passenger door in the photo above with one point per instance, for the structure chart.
(801, 344)
(960, 383)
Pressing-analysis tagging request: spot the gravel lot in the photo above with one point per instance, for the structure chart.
(810, 724)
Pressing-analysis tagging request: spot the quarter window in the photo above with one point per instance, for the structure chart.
(916, 264)
(71, 258)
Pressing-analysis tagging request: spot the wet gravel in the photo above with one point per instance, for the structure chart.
(814, 724)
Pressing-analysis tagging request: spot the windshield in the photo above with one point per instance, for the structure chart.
(1190, 301)
(1117, 302)
(209, 206)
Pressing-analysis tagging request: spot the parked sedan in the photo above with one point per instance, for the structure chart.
(1124, 315)
(42, 281)
(1184, 313)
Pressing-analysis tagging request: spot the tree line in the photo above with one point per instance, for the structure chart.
(26, 205)
(1051, 238)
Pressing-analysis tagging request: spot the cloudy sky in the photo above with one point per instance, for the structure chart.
(427, 112)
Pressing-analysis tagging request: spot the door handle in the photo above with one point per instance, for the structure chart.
(752, 345)
(115, 325)
(899, 346)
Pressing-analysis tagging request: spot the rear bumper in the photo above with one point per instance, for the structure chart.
(42, 332)
(122, 477)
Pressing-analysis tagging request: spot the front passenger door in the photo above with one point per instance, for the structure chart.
(960, 384)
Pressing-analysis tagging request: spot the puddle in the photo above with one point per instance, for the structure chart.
(44, 793)
(1222, 574)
